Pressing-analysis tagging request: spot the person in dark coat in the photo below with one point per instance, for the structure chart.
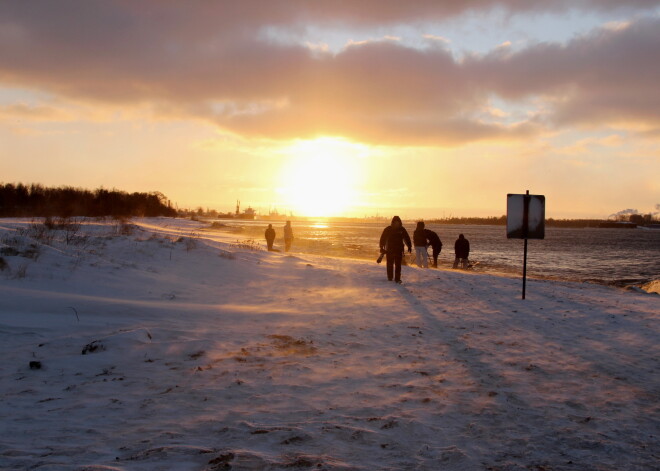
(270, 237)
(462, 251)
(392, 241)
(421, 242)
(436, 243)
(288, 236)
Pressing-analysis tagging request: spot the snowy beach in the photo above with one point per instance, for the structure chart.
(158, 344)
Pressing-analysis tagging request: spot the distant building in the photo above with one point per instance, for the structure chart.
(249, 213)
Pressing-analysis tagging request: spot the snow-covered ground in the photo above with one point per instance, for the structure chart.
(204, 354)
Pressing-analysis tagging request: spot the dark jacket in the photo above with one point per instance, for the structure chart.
(392, 239)
(288, 232)
(462, 247)
(270, 234)
(420, 238)
(434, 239)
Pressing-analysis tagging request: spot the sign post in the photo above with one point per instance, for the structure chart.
(525, 219)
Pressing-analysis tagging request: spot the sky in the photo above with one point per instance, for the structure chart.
(347, 108)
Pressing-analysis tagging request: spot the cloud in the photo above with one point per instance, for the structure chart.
(21, 111)
(210, 62)
(587, 145)
(607, 76)
(435, 37)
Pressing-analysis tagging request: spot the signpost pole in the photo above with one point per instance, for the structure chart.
(524, 270)
(525, 234)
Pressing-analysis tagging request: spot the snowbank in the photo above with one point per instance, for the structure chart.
(652, 287)
(201, 353)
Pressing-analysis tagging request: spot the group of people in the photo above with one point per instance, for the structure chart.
(393, 242)
(395, 238)
(288, 237)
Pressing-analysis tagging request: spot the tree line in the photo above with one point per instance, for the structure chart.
(19, 200)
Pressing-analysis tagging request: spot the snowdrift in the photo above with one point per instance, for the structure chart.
(159, 345)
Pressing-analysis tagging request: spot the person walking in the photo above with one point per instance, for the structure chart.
(392, 241)
(436, 243)
(288, 236)
(270, 237)
(421, 242)
(462, 251)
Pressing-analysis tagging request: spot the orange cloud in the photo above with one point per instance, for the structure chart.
(22, 111)
(209, 62)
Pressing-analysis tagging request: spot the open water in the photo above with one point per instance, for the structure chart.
(611, 256)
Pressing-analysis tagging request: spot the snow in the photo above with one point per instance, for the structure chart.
(211, 354)
(652, 287)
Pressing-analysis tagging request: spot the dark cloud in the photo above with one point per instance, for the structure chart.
(208, 60)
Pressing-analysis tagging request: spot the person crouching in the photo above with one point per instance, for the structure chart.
(436, 243)
(462, 251)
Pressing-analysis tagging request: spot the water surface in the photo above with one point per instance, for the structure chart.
(611, 256)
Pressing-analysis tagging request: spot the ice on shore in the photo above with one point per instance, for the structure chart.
(652, 287)
(204, 354)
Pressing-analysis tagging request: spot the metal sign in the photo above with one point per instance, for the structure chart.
(525, 219)
(525, 216)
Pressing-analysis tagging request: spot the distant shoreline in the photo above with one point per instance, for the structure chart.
(466, 221)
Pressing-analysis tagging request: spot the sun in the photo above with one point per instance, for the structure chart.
(321, 177)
